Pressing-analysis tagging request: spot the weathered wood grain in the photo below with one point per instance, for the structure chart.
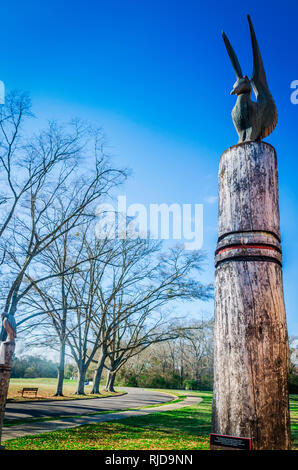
(248, 189)
(5, 370)
(250, 333)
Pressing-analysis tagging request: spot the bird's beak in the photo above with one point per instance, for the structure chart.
(233, 92)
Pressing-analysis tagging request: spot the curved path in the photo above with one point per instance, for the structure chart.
(135, 398)
(29, 429)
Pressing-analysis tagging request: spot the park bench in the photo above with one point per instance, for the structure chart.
(28, 390)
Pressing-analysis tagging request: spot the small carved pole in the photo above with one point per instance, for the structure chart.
(7, 350)
(250, 332)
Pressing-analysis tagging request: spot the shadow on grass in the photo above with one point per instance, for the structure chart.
(186, 428)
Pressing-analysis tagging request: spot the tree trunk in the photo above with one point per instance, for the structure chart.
(98, 374)
(250, 331)
(110, 382)
(81, 379)
(59, 389)
(181, 375)
(6, 355)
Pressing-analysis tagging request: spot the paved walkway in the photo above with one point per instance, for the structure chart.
(66, 423)
(135, 398)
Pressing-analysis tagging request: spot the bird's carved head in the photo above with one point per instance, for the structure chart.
(242, 85)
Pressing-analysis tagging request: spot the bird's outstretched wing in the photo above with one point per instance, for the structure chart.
(260, 86)
(233, 57)
(258, 78)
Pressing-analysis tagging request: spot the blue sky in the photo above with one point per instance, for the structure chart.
(155, 75)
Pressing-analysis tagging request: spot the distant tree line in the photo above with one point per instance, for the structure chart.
(33, 367)
(185, 362)
(293, 365)
(181, 363)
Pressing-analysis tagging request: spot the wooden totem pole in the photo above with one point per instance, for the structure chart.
(6, 357)
(7, 347)
(250, 333)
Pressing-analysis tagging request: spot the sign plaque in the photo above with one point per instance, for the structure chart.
(222, 442)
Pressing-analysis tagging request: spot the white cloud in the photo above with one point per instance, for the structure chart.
(210, 199)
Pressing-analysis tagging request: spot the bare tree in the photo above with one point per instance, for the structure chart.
(50, 183)
(56, 201)
(66, 260)
(187, 356)
(293, 354)
(197, 350)
(116, 299)
(139, 290)
(100, 296)
(84, 339)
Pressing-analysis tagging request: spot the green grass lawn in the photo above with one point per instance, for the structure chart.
(47, 388)
(294, 419)
(185, 429)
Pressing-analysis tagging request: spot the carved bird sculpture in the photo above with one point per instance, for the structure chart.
(253, 120)
(9, 327)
